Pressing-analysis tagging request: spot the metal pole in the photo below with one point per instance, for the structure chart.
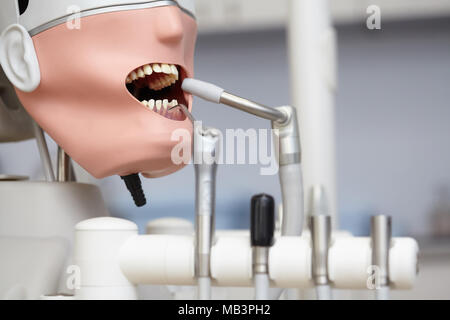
(381, 235)
(63, 166)
(312, 52)
(43, 153)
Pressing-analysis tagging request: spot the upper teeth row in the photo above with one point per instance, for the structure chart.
(148, 70)
(157, 105)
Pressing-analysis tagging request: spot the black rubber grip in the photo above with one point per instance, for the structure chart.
(262, 220)
(134, 185)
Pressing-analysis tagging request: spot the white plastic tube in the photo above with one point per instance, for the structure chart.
(159, 260)
(231, 261)
(204, 90)
(173, 264)
(111, 254)
(98, 243)
(312, 51)
(290, 263)
(291, 182)
(350, 260)
(169, 260)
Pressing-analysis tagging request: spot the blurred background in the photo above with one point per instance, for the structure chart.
(393, 119)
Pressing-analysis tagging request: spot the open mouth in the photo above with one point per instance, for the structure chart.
(158, 87)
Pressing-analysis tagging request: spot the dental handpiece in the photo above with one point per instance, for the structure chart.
(262, 226)
(213, 93)
(206, 143)
(206, 148)
(287, 138)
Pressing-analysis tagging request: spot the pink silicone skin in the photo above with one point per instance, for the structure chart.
(82, 101)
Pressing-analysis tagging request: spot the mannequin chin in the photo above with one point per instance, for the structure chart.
(84, 102)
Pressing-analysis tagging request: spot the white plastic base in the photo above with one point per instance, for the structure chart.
(36, 234)
(113, 254)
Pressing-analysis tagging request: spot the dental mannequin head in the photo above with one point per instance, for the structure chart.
(83, 81)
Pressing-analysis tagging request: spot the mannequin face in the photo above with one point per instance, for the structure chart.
(87, 102)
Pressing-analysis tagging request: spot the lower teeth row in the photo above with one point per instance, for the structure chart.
(158, 105)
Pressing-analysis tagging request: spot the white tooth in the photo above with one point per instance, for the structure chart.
(165, 103)
(156, 68)
(148, 70)
(174, 71)
(140, 73)
(134, 76)
(174, 103)
(158, 105)
(145, 103)
(129, 80)
(166, 68)
(151, 104)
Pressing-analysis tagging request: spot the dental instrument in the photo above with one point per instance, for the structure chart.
(215, 94)
(287, 140)
(320, 226)
(381, 240)
(262, 226)
(206, 148)
(63, 166)
(111, 255)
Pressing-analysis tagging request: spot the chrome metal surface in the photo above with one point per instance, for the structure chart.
(253, 108)
(320, 227)
(381, 235)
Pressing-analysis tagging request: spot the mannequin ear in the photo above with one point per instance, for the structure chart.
(18, 58)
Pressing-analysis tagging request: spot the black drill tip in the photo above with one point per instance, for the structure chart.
(134, 185)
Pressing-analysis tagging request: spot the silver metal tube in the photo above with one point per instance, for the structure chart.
(318, 202)
(204, 236)
(320, 226)
(205, 154)
(381, 234)
(260, 266)
(253, 108)
(63, 171)
(43, 153)
(260, 261)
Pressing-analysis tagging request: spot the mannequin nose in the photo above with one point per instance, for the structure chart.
(169, 27)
